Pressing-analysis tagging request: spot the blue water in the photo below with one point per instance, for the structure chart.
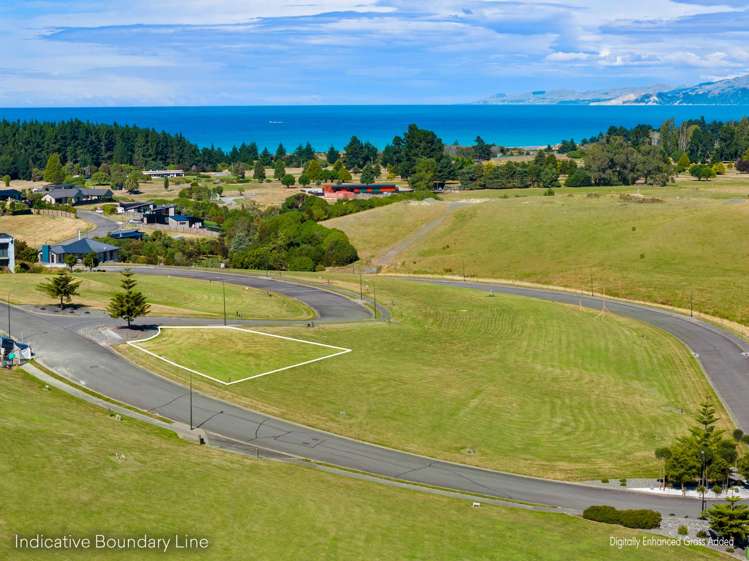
(517, 125)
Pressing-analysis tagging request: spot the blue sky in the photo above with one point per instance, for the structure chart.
(246, 52)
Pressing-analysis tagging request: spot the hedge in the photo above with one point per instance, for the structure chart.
(635, 518)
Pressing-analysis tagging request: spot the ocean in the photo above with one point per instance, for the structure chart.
(323, 126)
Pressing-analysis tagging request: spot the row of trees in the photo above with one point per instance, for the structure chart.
(701, 141)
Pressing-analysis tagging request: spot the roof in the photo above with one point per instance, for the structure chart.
(5, 193)
(64, 193)
(82, 246)
(4, 235)
(136, 204)
(96, 192)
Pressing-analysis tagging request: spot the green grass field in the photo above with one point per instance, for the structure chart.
(68, 467)
(694, 244)
(169, 296)
(502, 382)
(231, 354)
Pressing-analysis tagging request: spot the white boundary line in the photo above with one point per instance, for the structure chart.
(134, 343)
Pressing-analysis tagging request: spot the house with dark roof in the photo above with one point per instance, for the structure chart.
(159, 214)
(76, 195)
(126, 235)
(54, 255)
(14, 194)
(185, 221)
(138, 207)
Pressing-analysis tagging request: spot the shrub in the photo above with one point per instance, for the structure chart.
(640, 518)
(636, 518)
(602, 513)
(701, 534)
(682, 530)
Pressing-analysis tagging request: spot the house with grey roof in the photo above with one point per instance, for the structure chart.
(76, 195)
(54, 255)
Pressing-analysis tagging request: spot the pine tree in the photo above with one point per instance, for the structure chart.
(53, 172)
(259, 172)
(730, 519)
(279, 170)
(62, 285)
(130, 303)
(332, 155)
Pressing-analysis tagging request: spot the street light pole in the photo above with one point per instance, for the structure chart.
(691, 304)
(9, 333)
(191, 423)
(223, 290)
(702, 508)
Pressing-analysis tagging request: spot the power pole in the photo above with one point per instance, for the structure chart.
(374, 295)
(361, 286)
(9, 333)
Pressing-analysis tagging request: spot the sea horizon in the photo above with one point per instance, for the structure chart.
(516, 125)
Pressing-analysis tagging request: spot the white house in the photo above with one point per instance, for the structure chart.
(7, 252)
(158, 173)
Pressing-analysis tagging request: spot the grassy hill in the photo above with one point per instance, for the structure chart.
(68, 467)
(694, 243)
(503, 382)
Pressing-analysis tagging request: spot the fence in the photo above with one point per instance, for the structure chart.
(53, 212)
(185, 229)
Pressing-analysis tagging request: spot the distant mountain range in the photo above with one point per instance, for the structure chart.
(732, 91)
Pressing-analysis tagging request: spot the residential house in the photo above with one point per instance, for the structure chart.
(14, 194)
(7, 252)
(54, 255)
(160, 173)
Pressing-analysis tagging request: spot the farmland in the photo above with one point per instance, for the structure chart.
(689, 247)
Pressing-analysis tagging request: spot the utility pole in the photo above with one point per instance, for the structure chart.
(591, 283)
(374, 295)
(223, 290)
(361, 286)
(464, 269)
(9, 333)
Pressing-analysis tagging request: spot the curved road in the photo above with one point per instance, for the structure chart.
(58, 341)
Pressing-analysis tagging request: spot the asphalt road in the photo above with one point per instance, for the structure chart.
(60, 346)
(102, 225)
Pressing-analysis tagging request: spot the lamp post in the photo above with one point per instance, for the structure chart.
(691, 304)
(702, 454)
(223, 290)
(191, 423)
